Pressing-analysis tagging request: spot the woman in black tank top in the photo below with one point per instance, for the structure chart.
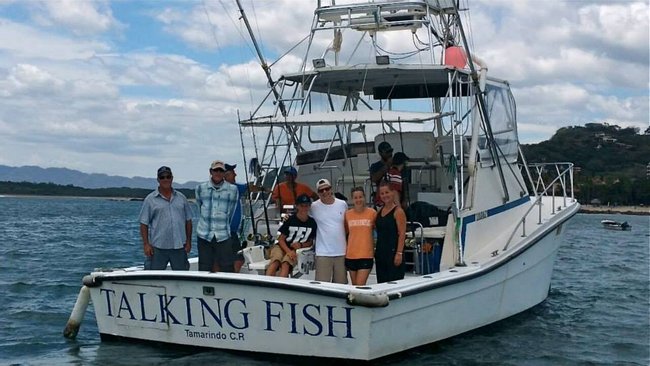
(391, 232)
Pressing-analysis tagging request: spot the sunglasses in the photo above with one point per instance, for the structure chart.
(217, 170)
(323, 190)
(163, 177)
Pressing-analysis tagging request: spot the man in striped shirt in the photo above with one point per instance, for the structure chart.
(395, 178)
(217, 200)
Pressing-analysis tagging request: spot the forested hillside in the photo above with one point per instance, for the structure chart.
(51, 189)
(611, 162)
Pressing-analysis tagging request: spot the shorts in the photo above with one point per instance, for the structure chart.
(331, 269)
(360, 263)
(277, 254)
(211, 252)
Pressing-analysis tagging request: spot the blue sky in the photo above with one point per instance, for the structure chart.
(122, 87)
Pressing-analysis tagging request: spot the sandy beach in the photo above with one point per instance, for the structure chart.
(627, 210)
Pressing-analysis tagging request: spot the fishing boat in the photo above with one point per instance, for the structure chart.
(615, 225)
(484, 254)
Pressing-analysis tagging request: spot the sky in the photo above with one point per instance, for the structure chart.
(123, 87)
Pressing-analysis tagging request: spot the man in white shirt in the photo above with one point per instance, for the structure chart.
(329, 213)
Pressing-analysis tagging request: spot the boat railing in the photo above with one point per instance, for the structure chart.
(384, 15)
(544, 180)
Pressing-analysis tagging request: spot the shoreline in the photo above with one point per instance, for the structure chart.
(586, 209)
(625, 210)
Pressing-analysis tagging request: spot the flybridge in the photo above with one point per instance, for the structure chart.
(382, 16)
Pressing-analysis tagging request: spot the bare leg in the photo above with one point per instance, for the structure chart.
(215, 268)
(272, 268)
(362, 277)
(238, 264)
(353, 277)
(285, 270)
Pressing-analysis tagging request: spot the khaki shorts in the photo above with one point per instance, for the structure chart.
(277, 254)
(331, 269)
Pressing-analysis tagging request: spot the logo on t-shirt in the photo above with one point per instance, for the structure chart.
(298, 234)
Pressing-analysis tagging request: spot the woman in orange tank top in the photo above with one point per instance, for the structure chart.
(359, 224)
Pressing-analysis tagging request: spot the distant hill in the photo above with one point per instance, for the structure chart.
(65, 176)
(51, 189)
(611, 162)
(598, 149)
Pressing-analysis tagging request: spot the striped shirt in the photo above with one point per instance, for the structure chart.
(166, 219)
(394, 177)
(216, 207)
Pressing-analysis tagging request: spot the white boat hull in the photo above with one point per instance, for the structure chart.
(297, 317)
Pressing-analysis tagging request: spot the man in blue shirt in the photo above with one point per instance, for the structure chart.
(236, 222)
(217, 200)
(166, 225)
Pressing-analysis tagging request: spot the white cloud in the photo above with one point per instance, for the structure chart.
(80, 17)
(74, 93)
(20, 41)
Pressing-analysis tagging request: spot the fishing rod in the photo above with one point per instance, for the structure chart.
(246, 170)
(254, 170)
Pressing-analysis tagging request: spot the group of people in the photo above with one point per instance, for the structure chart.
(343, 237)
(166, 222)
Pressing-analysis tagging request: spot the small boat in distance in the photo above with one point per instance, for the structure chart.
(615, 225)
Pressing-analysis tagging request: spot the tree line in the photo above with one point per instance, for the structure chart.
(611, 163)
(51, 189)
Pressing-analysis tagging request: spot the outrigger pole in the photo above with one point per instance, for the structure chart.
(265, 66)
(481, 102)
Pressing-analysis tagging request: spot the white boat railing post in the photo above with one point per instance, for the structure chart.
(553, 200)
(571, 178)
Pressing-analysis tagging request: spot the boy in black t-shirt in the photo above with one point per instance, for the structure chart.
(297, 232)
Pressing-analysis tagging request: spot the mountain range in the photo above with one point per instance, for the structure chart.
(65, 176)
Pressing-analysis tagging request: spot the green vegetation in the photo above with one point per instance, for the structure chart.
(610, 162)
(51, 189)
(610, 165)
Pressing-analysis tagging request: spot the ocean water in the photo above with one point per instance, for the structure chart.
(597, 312)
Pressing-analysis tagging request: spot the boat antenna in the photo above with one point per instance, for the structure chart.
(265, 66)
(481, 103)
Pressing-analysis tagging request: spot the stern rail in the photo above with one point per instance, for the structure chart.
(544, 178)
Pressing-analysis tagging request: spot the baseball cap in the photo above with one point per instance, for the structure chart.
(303, 198)
(322, 183)
(230, 167)
(217, 164)
(291, 170)
(384, 147)
(164, 169)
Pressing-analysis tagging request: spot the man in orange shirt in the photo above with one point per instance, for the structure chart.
(286, 192)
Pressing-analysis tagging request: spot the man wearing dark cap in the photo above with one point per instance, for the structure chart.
(236, 221)
(379, 169)
(217, 200)
(297, 232)
(286, 192)
(166, 225)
